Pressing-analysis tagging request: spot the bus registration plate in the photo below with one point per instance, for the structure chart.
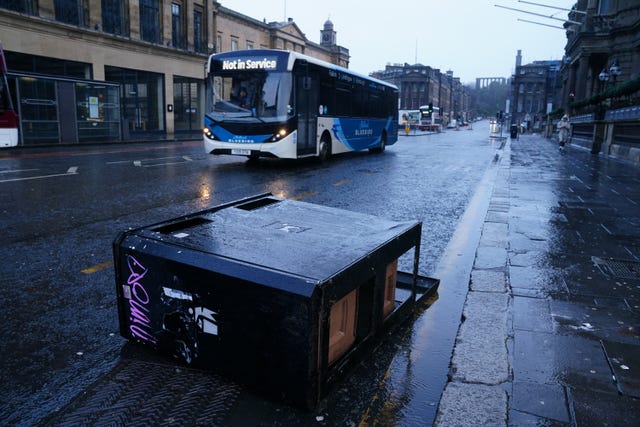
(241, 151)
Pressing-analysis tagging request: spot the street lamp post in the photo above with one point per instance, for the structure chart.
(611, 74)
(603, 76)
(614, 71)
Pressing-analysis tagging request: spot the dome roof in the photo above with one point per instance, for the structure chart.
(328, 25)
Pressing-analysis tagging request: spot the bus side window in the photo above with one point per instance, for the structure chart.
(306, 83)
(327, 95)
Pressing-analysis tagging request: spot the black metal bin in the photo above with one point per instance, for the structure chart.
(280, 295)
(514, 131)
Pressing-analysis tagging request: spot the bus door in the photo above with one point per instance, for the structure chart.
(307, 110)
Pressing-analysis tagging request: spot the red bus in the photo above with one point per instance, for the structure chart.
(8, 116)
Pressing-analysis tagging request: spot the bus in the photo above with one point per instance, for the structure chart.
(431, 119)
(282, 104)
(8, 116)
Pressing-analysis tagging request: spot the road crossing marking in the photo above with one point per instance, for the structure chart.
(18, 170)
(71, 171)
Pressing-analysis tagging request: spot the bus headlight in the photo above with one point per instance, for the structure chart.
(279, 135)
(207, 132)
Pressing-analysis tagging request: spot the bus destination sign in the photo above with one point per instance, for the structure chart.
(250, 64)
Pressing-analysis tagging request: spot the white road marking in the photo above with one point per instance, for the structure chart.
(71, 171)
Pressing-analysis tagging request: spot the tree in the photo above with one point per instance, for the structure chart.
(490, 99)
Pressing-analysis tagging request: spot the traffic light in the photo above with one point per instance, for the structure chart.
(430, 107)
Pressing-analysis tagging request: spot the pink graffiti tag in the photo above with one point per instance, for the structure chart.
(140, 325)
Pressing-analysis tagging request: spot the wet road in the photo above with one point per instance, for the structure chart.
(61, 211)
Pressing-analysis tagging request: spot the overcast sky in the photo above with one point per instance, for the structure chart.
(473, 38)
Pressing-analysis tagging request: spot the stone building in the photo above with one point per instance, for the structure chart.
(113, 70)
(421, 85)
(535, 90)
(482, 82)
(601, 76)
(602, 47)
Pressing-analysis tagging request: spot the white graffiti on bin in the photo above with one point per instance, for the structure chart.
(140, 323)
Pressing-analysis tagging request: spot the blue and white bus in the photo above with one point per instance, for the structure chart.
(273, 103)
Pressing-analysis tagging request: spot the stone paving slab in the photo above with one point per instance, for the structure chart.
(480, 354)
(472, 405)
(488, 281)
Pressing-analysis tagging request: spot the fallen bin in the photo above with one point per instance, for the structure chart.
(278, 294)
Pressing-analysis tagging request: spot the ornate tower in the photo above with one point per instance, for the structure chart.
(328, 35)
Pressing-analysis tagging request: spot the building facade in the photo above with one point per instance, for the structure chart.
(422, 85)
(603, 47)
(601, 76)
(114, 70)
(535, 91)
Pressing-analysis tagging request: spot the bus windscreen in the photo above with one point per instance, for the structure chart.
(259, 96)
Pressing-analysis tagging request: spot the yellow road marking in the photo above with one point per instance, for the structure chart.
(343, 182)
(97, 267)
(303, 195)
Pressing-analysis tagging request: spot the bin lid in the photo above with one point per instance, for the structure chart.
(300, 238)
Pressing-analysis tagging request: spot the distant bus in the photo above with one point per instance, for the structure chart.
(8, 116)
(431, 119)
(274, 103)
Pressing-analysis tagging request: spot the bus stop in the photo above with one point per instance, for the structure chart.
(55, 110)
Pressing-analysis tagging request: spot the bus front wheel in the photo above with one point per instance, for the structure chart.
(325, 148)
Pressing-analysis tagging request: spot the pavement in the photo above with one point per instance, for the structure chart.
(550, 330)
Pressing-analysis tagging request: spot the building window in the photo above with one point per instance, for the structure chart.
(46, 65)
(22, 6)
(113, 17)
(69, 11)
(150, 21)
(218, 43)
(198, 26)
(234, 44)
(249, 45)
(177, 35)
(605, 7)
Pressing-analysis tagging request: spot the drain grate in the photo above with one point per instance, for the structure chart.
(618, 268)
(142, 393)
